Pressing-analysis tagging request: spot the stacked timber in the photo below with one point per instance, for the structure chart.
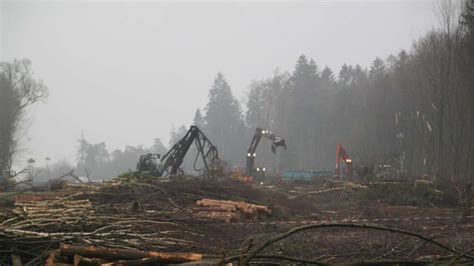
(40, 222)
(52, 208)
(71, 255)
(228, 210)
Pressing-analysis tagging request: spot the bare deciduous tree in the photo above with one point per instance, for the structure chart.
(18, 90)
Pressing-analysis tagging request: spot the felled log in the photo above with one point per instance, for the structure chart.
(81, 186)
(227, 210)
(126, 254)
(234, 205)
(223, 204)
(211, 209)
(51, 208)
(252, 208)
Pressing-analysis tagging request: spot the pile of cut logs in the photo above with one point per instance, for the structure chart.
(228, 210)
(51, 208)
(90, 255)
(41, 222)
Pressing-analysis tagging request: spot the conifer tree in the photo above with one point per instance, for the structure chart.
(224, 120)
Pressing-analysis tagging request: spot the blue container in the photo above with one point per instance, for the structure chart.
(305, 175)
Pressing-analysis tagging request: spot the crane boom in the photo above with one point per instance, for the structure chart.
(172, 160)
(259, 133)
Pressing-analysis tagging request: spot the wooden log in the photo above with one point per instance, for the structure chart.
(51, 258)
(234, 205)
(212, 209)
(217, 214)
(253, 208)
(218, 202)
(214, 203)
(47, 203)
(126, 254)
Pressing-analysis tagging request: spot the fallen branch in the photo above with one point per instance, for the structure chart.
(258, 248)
(278, 257)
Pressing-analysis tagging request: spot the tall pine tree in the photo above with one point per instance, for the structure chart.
(224, 121)
(304, 119)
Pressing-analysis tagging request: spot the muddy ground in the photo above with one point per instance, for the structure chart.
(171, 203)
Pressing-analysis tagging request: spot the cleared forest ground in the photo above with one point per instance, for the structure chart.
(149, 214)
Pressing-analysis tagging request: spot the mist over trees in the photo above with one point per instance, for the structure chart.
(414, 107)
(95, 161)
(224, 122)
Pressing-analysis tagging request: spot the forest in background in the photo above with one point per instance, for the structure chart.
(415, 106)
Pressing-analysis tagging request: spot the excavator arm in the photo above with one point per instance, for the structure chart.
(259, 133)
(170, 162)
(173, 159)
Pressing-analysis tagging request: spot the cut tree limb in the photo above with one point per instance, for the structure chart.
(126, 254)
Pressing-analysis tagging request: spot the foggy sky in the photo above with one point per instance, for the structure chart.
(123, 73)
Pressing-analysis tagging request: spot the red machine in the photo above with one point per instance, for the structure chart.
(342, 154)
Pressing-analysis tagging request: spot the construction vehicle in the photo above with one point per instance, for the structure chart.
(277, 141)
(149, 163)
(342, 154)
(169, 164)
(352, 169)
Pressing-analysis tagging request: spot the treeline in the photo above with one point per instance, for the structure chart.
(96, 161)
(413, 110)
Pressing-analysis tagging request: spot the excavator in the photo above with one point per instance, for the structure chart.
(351, 167)
(169, 164)
(342, 154)
(277, 141)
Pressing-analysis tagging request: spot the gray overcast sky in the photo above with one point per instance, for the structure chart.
(124, 72)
